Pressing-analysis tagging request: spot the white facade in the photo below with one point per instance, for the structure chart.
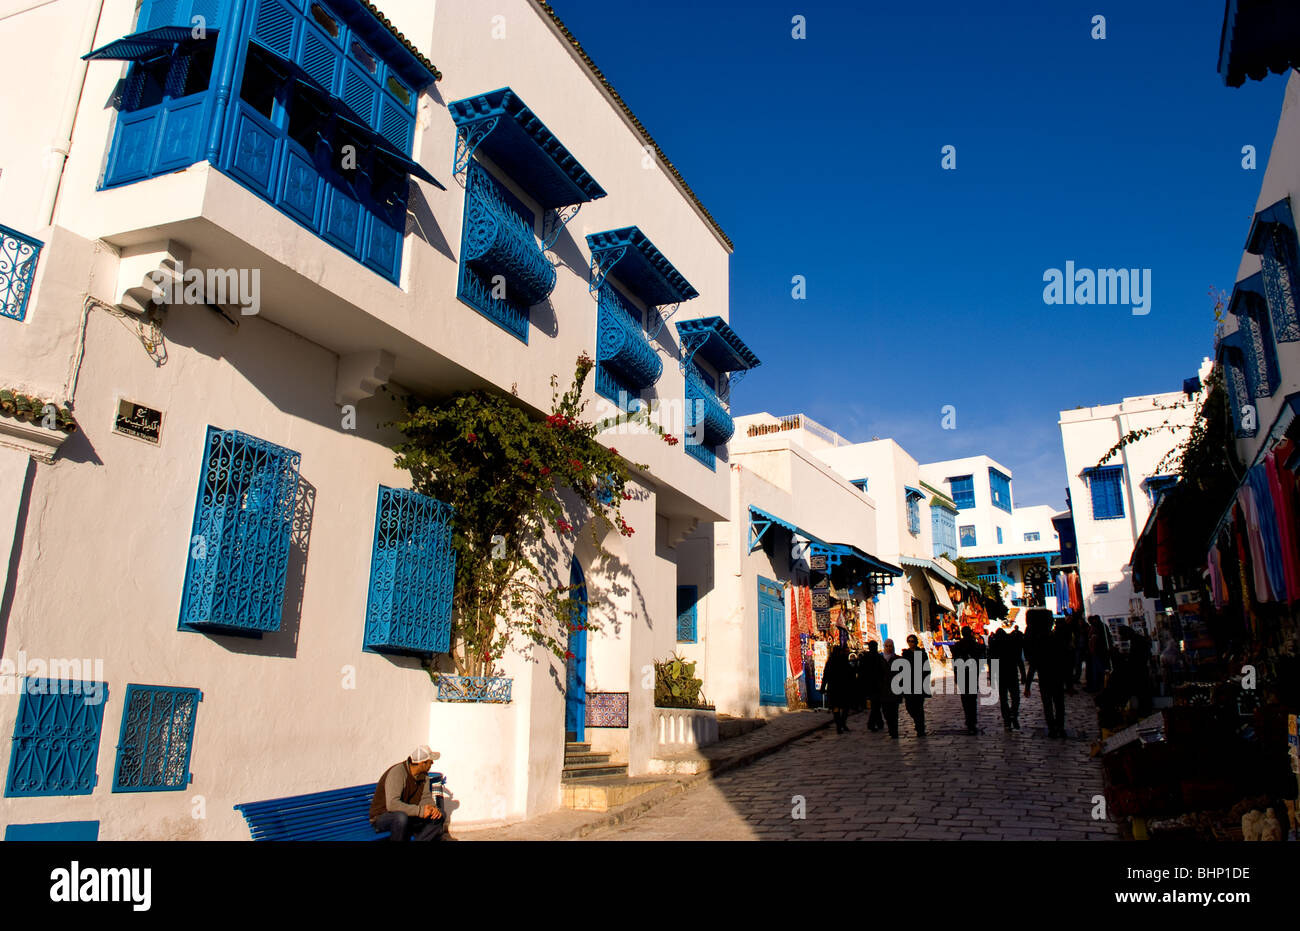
(1105, 532)
(96, 543)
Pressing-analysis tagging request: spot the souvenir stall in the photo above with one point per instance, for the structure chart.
(1219, 762)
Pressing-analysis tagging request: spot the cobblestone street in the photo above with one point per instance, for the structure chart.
(864, 786)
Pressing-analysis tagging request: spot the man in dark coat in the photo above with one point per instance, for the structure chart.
(837, 685)
(1007, 655)
(912, 679)
(967, 654)
(890, 698)
(1048, 652)
(874, 684)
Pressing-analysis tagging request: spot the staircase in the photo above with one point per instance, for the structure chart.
(590, 782)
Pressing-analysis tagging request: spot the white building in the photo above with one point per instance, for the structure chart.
(291, 144)
(789, 508)
(1000, 540)
(1111, 500)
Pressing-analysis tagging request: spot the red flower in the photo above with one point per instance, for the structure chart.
(563, 526)
(613, 450)
(545, 471)
(627, 496)
(576, 464)
(472, 437)
(568, 654)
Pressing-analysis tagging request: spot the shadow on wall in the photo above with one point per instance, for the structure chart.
(16, 554)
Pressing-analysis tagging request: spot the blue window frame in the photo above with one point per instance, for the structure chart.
(503, 270)
(1033, 537)
(157, 738)
(1106, 486)
(999, 534)
(274, 100)
(963, 491)
(626, 363)
(967, 533)
(1000, 490)
(57, 831)
(943, 529)
(687, 599)
(412, 571)
(1157, 485)
(240, 539)
(18, 256)
(861, 483)
(56, 737)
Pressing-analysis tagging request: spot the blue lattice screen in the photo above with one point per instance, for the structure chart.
(963, 491)
(412, 571)
(943, 529)
(687, 598)
(239, 544)
(56, 737)
(626, 362)
(1000, 490)
(18, 255)
(1280, 269)
(1107, 492)
(153, 750)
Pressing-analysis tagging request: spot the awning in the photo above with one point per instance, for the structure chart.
(867, 569)
(713, 340)
(502, 126)
(1258, 36)
(937, 570)
(641, 266)
(152, 43)
(940, 592)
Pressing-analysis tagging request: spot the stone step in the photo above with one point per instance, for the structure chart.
(604, 794)
(729, 727)
(592, 770)
(573, 746)
(592, 756)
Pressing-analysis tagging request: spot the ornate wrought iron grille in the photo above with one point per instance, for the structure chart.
(1279, 266)
(474, 688)
(18, 255)
(412, 571)
(239, 545)
(56, 737)
(625, 359)
(153, 752)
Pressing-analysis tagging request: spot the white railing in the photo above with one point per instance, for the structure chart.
(683, 728)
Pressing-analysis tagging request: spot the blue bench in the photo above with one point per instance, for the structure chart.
(340, 814)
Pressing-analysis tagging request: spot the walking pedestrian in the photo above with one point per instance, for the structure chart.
(1047, 649)
(912, 671)
(890, 698)
(1099, 652)
(967, 654)
(874, 681)
(1007, 665)
(837, 686)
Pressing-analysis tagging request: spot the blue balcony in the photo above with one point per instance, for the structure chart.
(705, 410)
(310, 104)
(626, 362)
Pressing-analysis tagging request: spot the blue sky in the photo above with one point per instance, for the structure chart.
(821, 157)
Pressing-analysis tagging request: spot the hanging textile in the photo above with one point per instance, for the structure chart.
(1218, 585)
(1243, 570)
(1164, 546)
(806, 621)
(1283, 486)
(1253, 505)
(795, 653)
(1076, 593)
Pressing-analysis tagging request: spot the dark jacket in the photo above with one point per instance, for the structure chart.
(965, 650)
(837, 680)
(1008, 651)
(398, 790)
(907, 664)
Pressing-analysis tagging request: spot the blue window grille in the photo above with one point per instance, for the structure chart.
(1033, 537)
(503, 270)
(963, 491)
(861, 483)
(967, 534)
(153, 750)
(626, 363)
(274, 100)
(708, 425)
(18, 255)
(943, 527)
(1000, 490)
(1273, 239)
(687, 599)
(913, 501)
(999, 534)
(412, 572)
(56, 737)
(1255, 329)
(240, 539)
(1106, 486)
(1232, 356)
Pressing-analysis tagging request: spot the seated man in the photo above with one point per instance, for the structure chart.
(404, 804)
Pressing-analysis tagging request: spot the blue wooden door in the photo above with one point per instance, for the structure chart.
(771, 643)
(575, 691)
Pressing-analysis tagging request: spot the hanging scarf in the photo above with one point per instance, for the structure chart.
(1282, 485)
(794, 654)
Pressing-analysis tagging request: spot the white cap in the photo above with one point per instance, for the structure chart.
(421, 754)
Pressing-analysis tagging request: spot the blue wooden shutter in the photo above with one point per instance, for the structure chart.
(1107, 492)
(242, 531)
(687, 598)
(56, 737)
(412, 573)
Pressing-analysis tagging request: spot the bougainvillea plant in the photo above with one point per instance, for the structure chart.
(516, 483)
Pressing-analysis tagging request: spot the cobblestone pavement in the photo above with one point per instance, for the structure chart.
(865, 786)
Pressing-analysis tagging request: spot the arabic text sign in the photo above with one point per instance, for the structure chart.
(143, 423)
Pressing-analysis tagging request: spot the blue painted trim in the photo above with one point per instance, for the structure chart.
(688, 597)
(641, 266)
(717, 343)
(19, 254)
(54, 831)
